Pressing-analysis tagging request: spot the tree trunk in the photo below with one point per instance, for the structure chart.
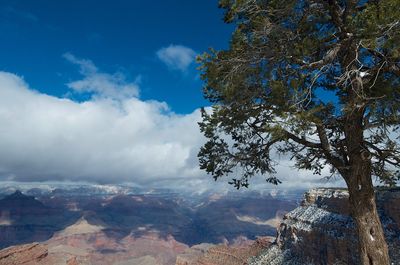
(372, 245)
(358, 176)
(373, 249)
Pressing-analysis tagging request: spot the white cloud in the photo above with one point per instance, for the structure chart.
(107, 139)
(101, 84)
(176, 57)
(48, 138)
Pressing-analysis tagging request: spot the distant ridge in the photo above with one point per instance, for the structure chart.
(18, 200)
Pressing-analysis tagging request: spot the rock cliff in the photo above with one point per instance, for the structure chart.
(24, 219)
(237, 254)
(24, 254)
(35, 254)
(321, 231)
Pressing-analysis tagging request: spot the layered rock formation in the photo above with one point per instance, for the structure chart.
(321, 231)
(72, 249)
(191, 221)
(23, 219)
(237, 254)
(35, 254)
(25, 254)
(86, 244)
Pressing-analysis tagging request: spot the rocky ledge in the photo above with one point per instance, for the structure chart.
(25, 254)
(35, 254)
(236, 254)
(321, 231)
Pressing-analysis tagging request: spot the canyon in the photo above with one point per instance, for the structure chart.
(318, 231)
(113, 227)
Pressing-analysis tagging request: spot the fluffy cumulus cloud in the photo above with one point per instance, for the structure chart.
(101, 84)
(107, 139)
(176, 57)
(101, 140)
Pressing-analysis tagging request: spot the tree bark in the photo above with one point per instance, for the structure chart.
(373, 249)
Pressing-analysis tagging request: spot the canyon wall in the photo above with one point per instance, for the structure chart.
(321, 231)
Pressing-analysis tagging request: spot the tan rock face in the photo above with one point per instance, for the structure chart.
(192, 255)
(86, 244)
(25, 254)
(38, 254)
(206, 254)
(72, 261)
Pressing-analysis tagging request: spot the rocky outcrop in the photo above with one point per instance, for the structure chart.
(85, 243)
(321, 230)
(192, 255)
(207, 254)
(25, 254)
(38, 253)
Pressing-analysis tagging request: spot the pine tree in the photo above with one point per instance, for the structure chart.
(318, 80)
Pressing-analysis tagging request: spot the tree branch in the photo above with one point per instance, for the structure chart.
(380, 154)
(326, 148)
(302, 141)
(350, 7)
(336, 14)
(323, 138)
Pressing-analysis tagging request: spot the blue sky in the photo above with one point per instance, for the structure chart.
(118, 36)
(108, 92)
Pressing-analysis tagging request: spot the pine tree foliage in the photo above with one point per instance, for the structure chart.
(297, 74)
